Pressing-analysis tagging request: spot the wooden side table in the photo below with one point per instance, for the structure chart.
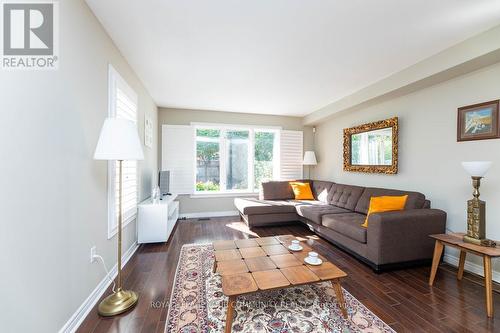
(455, 240)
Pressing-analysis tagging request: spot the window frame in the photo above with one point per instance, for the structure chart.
(116, 81)
(223, 128)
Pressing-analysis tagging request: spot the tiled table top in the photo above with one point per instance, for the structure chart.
(249, 265)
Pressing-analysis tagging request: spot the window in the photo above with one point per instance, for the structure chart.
(122, 104)
(207, 159)
(234, 159)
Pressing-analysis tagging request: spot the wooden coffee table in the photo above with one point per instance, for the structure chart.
(252, 265)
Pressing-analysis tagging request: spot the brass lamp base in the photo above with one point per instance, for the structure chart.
(118, 302)
(481, 242)
(472, 240)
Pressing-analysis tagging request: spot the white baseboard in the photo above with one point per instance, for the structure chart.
(470, 267)
(77, 318)
(209, 214)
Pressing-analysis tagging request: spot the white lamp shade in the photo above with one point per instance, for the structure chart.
(310, 158)
(118, 140)
(477, 168)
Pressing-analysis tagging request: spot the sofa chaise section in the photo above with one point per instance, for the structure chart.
(257, 212)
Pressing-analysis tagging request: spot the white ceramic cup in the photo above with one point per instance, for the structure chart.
(313, 257)
(295, 244)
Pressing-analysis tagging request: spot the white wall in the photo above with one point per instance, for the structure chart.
(53, 197)
(429, 155)
(196, 206)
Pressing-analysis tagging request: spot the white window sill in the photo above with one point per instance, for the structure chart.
(223, 195)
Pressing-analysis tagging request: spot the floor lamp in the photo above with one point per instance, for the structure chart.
(309, 159)
(118, 141)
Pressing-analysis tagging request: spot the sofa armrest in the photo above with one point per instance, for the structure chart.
(401, 236)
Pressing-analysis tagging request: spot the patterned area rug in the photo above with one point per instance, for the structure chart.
(197, 304)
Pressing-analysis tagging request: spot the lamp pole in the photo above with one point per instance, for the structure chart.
(119, 278)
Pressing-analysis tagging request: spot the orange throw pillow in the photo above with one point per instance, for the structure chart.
(302, 191)
(385, 204)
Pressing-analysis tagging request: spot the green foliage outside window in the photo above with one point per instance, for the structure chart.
(208, 186)
(263, 163)
(237, 134)
(208, 133)
(264, 144)
(207, 153)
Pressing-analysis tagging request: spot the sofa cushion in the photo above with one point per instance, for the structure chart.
(385, 204)
(314, 213)
(320, 190)
(250, 206)
(345, 196)
(302, 191)
(348, 224)
(415, 200)
(276, 190)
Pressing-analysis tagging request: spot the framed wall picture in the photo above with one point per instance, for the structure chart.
(478, 122)
(148, 131)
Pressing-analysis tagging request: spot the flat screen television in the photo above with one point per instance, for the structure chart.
(164, 182)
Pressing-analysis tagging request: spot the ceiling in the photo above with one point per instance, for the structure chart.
(283, 57)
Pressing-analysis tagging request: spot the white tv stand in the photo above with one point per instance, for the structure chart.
(155, 221)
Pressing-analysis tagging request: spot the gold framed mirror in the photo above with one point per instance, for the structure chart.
(372, 147)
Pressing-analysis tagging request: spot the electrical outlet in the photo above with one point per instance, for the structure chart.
(92, 254)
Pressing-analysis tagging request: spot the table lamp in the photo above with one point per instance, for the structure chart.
(118, 141)
(309, 159)
(476, 209)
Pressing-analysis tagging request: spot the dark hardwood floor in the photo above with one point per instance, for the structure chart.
(402, 298)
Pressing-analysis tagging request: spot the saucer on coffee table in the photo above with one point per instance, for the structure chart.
(317, 263)
(295, 249)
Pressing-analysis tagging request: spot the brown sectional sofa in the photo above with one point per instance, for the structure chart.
(392, 239)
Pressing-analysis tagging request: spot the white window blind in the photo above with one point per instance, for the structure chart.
(291, 154)
(123, 103)
(178, 151)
